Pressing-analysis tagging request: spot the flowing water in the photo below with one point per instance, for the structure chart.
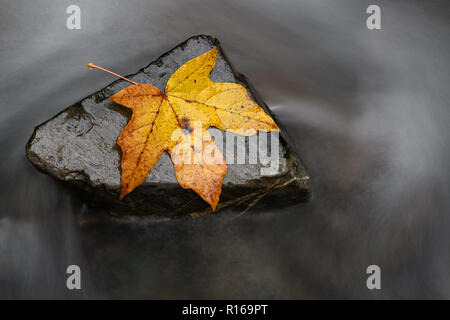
(368, 112)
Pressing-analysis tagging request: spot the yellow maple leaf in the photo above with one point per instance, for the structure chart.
(163, 121)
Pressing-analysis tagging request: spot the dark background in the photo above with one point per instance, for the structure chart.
(368, 112)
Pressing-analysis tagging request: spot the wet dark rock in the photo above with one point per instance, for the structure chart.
(78, 146)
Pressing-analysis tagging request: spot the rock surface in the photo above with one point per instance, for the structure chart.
(78, 146)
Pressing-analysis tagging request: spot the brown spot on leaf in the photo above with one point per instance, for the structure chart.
(186, 125)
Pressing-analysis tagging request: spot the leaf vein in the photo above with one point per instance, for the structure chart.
(223, 109)
(148, 137)
(187, 77)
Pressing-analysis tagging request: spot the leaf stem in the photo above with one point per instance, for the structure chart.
(91, 65)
